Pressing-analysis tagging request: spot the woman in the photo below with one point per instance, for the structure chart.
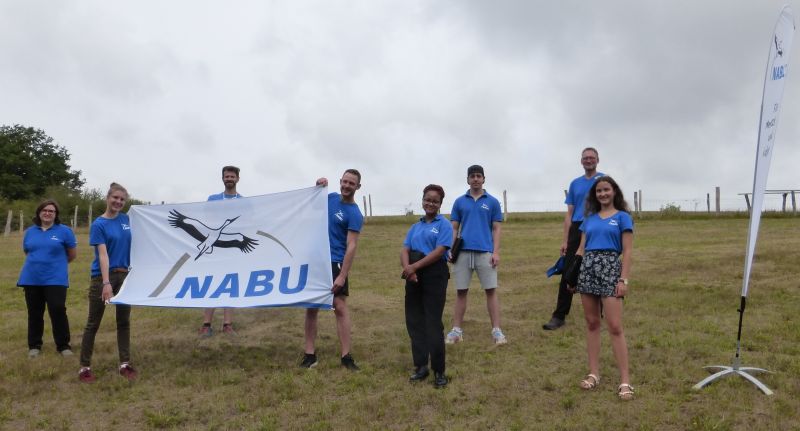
(110, 235)
(424, 262)
(49, 247)
(607, 233)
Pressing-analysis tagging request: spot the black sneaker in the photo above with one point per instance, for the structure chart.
(349, 363)
(309, 361)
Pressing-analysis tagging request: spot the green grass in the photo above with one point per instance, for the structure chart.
(680, 316)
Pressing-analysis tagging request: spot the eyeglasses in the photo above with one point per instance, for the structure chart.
(48, 211)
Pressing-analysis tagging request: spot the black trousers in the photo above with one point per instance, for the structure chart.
(424, 307)
(54, 298)
(565, 296)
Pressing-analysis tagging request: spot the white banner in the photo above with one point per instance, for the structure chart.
(263, 251)
(777, 70)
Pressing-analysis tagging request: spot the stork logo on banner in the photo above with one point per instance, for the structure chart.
(778, 47)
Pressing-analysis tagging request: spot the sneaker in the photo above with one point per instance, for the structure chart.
(206, 331)
(349, 363)
(66, 352)
(32, 353)
(309, 361)
(127, 371)
(455, 335)
(85, 375)
(498, 336)
(227, 329)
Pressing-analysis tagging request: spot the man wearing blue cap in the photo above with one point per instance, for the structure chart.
(576, 197)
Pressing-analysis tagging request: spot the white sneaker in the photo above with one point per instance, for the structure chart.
(66, 352)
(32, 353)
(454, 336)
(497, 335)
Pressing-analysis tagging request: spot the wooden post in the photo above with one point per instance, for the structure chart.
(636, 202)
(717, 200)
(89, 223)
(708, 201)
(747, 201)
(75, 219)
(565, 193)
(21, 222)
(8, 223)
(784, 201)
(640, 203)
(794, 204)
(505, 207)
(370, 205)
(365, 205)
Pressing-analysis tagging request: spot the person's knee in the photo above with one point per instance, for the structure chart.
(615, 329)
(592, 323)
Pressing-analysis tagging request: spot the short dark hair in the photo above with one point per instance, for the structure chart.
(37, 221)
(434, 188)
(230, 168)
(475, 169)
(354, 172)
(593, 149)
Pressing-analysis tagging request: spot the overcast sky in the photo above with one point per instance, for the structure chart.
(159, 95)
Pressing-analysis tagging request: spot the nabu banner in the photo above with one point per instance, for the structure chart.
(263, 251)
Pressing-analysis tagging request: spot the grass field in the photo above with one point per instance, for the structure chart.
(680, 316)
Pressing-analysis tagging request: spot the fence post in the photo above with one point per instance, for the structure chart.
(747, 201)
(565, 194)
(636, 202)
(8, 223)
(505, 207)
(89, 222)
(370, 205)
(21, 222)
(640, 203)
(794, 204)
(717, 200)
(365, 206)
(708, 202)
(784, 201)
(75, 219)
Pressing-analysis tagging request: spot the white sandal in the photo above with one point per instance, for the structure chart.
(625, 392)
(590, 382)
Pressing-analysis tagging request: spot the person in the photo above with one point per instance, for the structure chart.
(49, 247)
(230, 177)
(478, 215)
(344, 225)
(110, 235)
(606, 234)
(576, 196)
(424, 262)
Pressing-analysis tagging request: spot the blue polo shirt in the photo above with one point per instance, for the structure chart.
(606, 233)
(115, 233)
(476, 218)
(222, 196)
(425, 237)
(46, 256)
(576, 195)
(342, 217)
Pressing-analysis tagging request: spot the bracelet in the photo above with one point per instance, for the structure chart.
(106, 283)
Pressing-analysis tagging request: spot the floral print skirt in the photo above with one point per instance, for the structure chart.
(600, 272)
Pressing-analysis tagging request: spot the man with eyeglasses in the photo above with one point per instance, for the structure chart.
(576, 197)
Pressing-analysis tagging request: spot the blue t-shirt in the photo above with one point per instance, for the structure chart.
(342, 217)
(576, 195)
(476, 218)
(424, 236)
(606, 233)
(46, 256)
(115, 233)
(222, 196)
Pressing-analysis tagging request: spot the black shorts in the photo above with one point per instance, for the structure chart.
(336, 268)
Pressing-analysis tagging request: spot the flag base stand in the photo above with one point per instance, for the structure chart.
(735, 369)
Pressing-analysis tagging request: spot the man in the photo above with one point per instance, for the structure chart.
(478, 215)
(576, 197)
(344, 225)
(230, 177)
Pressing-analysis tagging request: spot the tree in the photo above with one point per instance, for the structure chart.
(30, 162)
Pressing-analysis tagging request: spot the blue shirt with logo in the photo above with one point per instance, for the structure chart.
(425, 237)
(222, 196)
(576, 195)
(115, 233)
(46, 256)
(342, 217)
(476, 218)
(606, 233)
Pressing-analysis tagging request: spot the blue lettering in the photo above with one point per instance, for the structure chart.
(301, 282)
(193, 284)
(777, 73)
(229, 285)
(259, 279)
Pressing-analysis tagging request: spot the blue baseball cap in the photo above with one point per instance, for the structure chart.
(558, 268)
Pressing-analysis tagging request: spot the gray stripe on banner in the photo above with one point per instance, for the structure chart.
(262, 233)
(170, 275)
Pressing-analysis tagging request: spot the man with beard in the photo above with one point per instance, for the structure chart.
(344, 225)
(230, 177)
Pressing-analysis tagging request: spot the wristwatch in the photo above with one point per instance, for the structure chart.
(624, 281)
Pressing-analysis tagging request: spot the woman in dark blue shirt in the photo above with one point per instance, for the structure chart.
(110, 235)
(424, 262)
(606, 247)
(49, 246)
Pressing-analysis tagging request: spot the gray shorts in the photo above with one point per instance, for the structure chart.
(478, 261)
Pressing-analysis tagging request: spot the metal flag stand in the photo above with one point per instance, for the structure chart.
(736, 368)
(774, 80)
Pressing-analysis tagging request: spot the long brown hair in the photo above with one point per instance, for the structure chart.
(593, 205)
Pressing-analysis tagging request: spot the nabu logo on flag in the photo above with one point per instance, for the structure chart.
(219, 254)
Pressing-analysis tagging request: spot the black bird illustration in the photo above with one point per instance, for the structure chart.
(211, 237)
